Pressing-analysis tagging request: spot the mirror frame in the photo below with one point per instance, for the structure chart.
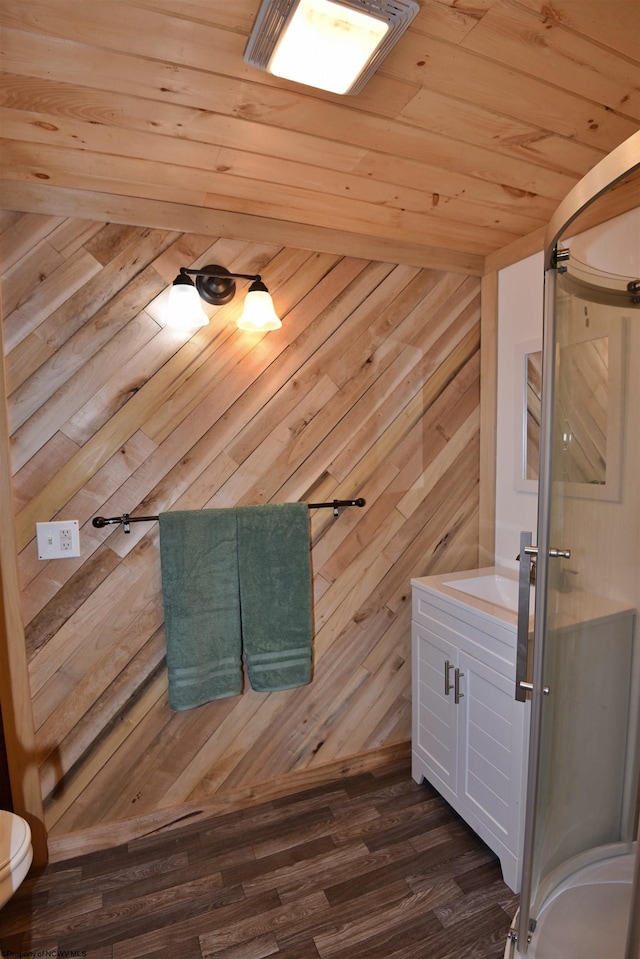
(617, 335)
(610, 489)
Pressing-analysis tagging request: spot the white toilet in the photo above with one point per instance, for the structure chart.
(16, 853)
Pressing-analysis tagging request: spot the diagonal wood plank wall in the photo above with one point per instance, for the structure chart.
(370, 389)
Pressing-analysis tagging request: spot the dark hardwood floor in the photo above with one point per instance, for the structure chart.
(373, 867)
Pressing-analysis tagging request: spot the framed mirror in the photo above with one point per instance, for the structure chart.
(589, 384)
(589, 388)
(528, 386)
(533, 397)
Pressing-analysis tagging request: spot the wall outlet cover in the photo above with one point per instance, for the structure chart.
(60, 540)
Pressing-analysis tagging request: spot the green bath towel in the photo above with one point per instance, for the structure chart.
(199, 559)
(233, 579)
(274, 564)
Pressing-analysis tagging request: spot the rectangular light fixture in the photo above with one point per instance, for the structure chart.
(334, 45)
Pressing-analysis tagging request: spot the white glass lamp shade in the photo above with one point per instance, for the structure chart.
(259, 315)
(185, 306)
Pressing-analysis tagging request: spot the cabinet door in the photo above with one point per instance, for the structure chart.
(490, 744)
(435, 719)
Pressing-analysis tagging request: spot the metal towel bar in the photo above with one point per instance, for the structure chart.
(125, 519)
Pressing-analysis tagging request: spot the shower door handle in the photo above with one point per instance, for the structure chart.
(522, 638)
(562, 553)
(527, 551)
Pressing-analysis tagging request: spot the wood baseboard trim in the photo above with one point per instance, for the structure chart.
(116, 833)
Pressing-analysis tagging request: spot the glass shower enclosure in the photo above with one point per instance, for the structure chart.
(579, 892)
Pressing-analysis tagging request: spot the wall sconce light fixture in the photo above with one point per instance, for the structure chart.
(216, 285)
(334, 45)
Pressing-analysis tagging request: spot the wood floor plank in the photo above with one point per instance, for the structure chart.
(250, 872)
(335, 921)
(259, 948)
(370, 867)
(377, 930)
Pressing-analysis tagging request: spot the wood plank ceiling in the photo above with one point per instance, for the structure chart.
(476, 126)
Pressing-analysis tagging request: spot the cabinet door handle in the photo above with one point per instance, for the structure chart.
(447, 685)
(457, 695)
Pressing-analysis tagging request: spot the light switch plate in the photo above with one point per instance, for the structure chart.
(60, 540)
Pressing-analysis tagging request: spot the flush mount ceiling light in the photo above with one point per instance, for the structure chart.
(334, 45)
(216, 285)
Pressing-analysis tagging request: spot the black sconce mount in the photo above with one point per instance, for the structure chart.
(215, 284)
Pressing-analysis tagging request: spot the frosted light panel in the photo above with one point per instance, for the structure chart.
(326, 45)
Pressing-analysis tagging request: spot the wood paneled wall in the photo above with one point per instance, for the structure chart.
(370, 389)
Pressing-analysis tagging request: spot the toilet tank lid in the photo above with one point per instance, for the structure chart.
(14, 836)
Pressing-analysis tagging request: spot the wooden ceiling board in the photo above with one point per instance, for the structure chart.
(558, 55)
(614, 25)
(462, 145)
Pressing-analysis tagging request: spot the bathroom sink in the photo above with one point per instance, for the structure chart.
(493, 588)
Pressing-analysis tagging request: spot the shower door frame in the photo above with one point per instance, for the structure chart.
(619, 164)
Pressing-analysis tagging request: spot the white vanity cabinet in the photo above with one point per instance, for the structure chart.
(469, 734)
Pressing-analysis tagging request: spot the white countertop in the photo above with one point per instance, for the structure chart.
(564, 609)
(437, 584)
